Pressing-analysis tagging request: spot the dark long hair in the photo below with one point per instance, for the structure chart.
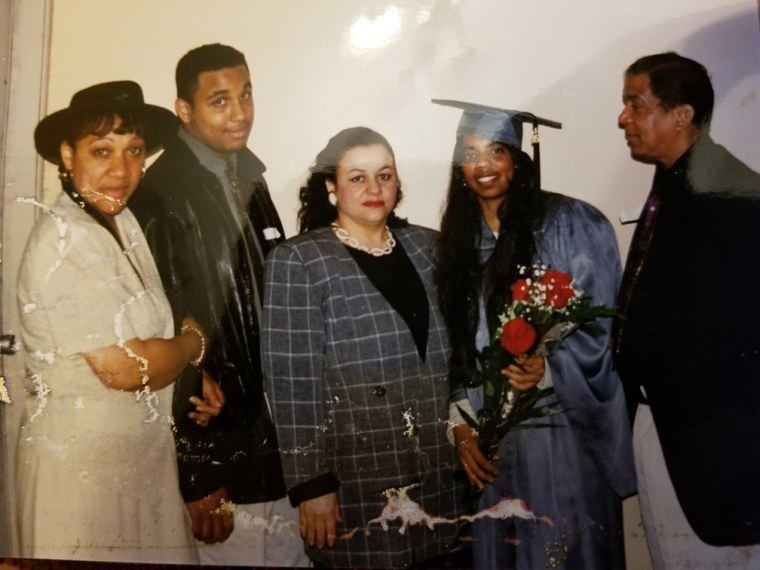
(461, 278)
(316, 210)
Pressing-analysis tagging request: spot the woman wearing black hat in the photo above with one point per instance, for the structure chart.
(572, 477)
(96, 467)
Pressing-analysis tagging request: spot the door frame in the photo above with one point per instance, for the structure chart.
(25, 29)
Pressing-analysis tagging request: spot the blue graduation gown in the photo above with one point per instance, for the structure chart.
(575, 474)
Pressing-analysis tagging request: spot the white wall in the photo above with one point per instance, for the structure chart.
(312, 76)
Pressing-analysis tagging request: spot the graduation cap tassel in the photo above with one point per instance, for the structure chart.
(534, 141)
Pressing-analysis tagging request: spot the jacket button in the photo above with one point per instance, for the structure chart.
(379, 391)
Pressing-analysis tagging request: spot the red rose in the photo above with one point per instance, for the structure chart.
(520, 289)
(558, 290)
(558, 297)
(556, 278)
(517, 336)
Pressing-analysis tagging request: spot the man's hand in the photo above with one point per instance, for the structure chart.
(211, 405)
(210, 523)
(478, 469)
(318, 519)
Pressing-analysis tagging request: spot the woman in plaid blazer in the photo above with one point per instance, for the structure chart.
(355, 358)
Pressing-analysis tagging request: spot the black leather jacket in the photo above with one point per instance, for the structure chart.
(208, 270)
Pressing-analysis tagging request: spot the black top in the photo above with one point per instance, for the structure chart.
(397, 280)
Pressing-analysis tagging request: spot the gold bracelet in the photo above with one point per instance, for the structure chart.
(189, 328)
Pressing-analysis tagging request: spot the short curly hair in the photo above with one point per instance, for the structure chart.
(210, 57)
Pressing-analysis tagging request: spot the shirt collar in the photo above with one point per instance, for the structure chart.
(486, 241)
(207, 156)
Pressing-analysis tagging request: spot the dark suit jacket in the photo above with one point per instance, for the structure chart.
(209, 271)
(691, 338)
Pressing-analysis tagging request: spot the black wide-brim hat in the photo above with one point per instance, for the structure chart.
(117, 97)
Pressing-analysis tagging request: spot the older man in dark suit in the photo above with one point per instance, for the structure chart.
(688, 347)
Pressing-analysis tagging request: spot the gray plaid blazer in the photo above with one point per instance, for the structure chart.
(352, 398)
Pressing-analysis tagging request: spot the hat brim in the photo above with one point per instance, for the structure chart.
(159, 124)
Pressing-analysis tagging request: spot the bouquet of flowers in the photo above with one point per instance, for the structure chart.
(544, 309)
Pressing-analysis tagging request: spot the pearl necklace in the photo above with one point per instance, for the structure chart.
(344, 237)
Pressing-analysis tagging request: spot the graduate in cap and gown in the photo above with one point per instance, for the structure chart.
(573, 477)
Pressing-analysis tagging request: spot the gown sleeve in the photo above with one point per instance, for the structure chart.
(578, 239)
